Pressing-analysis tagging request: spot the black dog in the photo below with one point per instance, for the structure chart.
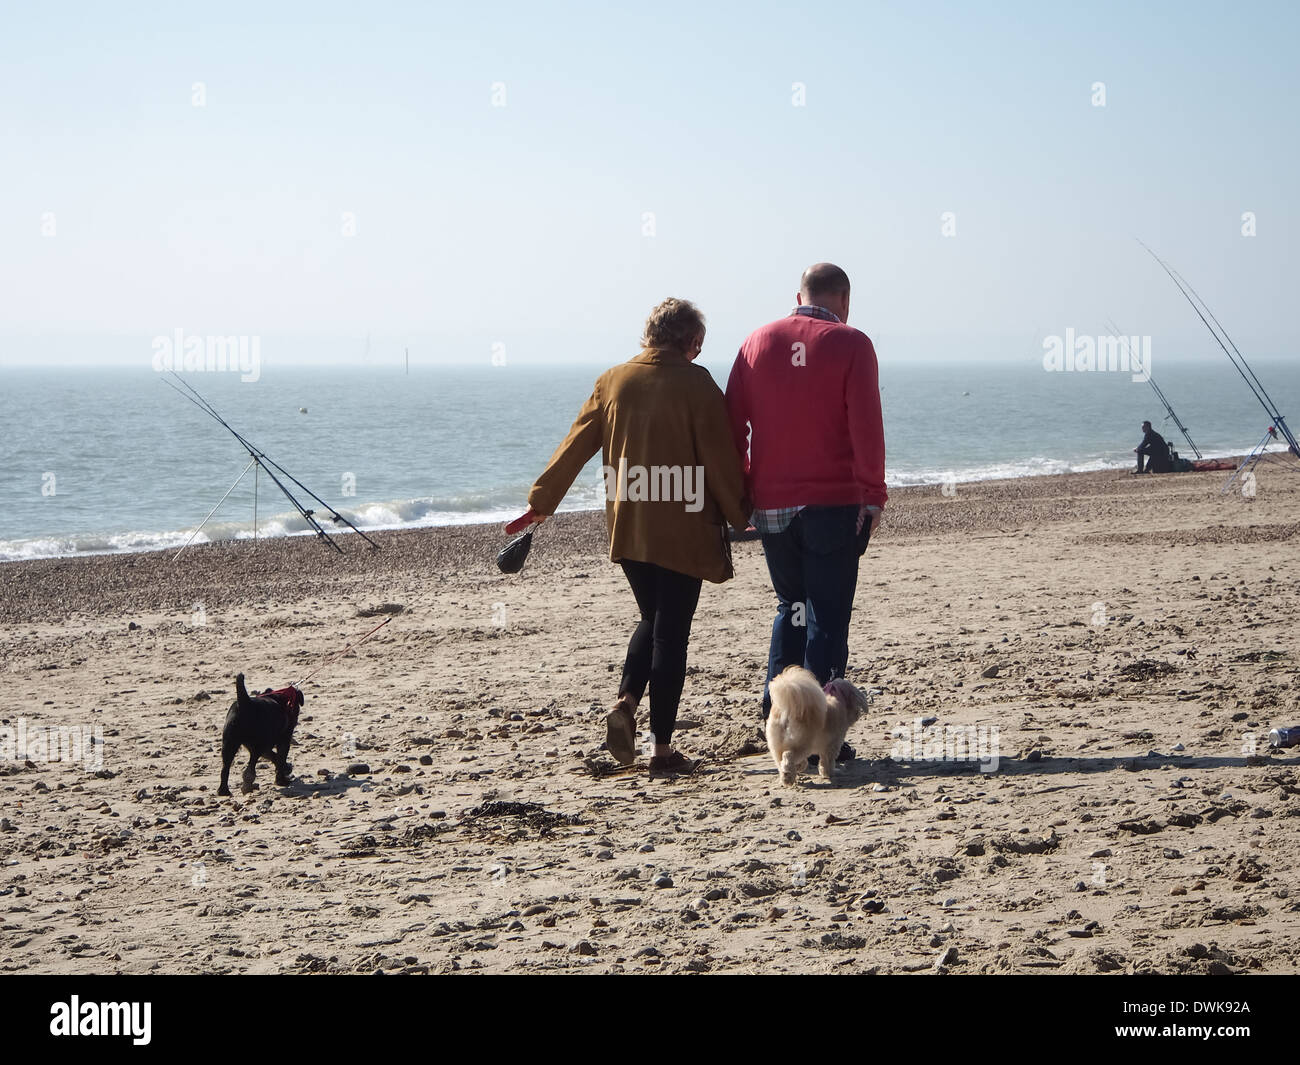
(264, 724)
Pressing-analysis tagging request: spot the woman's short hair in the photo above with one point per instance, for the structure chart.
(673, 325)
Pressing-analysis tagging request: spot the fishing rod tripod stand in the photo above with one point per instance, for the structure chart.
(1289, 459)
(254, 464)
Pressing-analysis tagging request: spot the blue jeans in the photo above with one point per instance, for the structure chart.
(814, 570)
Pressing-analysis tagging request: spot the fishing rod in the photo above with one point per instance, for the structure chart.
(1239, 361)
(266, 460)
(1114, 329)
(257, 461)
(270, 465)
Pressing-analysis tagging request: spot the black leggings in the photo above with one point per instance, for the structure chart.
(656, 653)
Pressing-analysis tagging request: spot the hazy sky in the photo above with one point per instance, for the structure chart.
(128, 212)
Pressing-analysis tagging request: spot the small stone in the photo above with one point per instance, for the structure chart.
(515, 926)
(1180, 890)
(1103, 853)
(604, 855)
(426, 759)
(646, 848)
(946, 957)
(356, 768)
(879, 787)
(991, 671)
(1034, 756)
(663, 880)
(1178, 747)
(794, 835)
(584, 947)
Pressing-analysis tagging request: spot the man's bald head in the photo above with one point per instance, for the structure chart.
(825, 285)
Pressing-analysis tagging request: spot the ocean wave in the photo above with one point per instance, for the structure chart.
(425, 512)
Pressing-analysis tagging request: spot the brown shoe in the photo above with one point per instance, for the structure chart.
(620, 734)
(672, 763)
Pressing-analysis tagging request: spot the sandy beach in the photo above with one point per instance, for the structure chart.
(1128, 642)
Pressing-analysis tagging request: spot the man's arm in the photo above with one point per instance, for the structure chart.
(867, 427)
(738, 408)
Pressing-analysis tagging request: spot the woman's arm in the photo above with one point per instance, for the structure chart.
(583, 441)
(724, 477)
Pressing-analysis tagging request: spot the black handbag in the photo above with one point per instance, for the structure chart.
(511, 557)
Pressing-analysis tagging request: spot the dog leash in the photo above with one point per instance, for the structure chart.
(340, 654)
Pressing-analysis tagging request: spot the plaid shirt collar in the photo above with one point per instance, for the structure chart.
(811, 311)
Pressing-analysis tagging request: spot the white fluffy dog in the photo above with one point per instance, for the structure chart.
(809, 719)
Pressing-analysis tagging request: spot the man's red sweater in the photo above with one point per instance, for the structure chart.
(808, 389)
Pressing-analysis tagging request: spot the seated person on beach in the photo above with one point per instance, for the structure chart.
(1156, 451)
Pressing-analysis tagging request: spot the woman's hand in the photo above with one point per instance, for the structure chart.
(523, 521)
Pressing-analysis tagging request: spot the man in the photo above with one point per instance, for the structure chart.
(804, 403)
(1155, 449)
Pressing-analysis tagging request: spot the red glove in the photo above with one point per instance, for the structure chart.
(523, 521)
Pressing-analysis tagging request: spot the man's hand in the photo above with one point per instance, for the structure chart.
(875, 513)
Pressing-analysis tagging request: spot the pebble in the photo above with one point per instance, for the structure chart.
(991, 671)
(663, 880)
(794, 835)
(584, 947)
(357, 767)
(646, 848)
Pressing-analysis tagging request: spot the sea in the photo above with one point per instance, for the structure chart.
(110, 460)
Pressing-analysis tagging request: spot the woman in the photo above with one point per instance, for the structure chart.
(671, 476)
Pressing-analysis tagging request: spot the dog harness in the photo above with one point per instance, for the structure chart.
(290, 698)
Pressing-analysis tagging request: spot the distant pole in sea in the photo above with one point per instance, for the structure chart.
(408, 362)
